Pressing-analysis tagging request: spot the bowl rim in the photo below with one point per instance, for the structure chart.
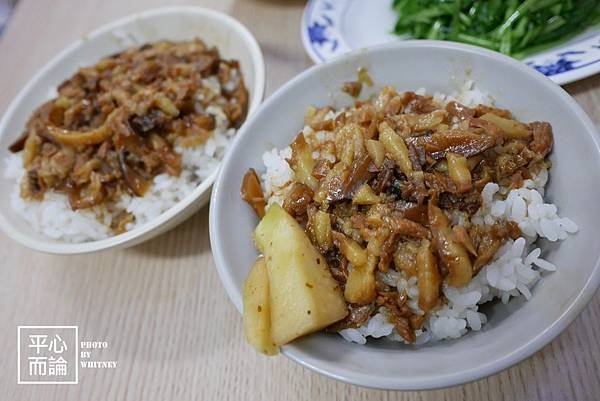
(136, 235)
(430, 382)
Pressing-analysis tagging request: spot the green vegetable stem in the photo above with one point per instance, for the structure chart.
(514, 27)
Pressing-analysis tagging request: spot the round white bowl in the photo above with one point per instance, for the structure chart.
(232, 39)
(514, 331)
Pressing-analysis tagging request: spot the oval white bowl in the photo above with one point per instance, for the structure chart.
(514, 331)
(232, 39)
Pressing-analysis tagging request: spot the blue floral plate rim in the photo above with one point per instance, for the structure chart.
(323, 39)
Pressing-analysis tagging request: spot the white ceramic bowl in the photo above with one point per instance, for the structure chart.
(232, 39)
(514, 331)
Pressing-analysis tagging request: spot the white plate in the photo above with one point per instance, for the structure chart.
(513, 331)
(333, 27)
(232, 39)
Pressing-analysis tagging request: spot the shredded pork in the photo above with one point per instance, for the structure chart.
(114, 126)
(383, 189)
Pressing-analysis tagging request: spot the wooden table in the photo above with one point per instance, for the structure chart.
(160, 305)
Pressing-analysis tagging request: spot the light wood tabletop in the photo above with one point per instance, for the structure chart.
(160, 306)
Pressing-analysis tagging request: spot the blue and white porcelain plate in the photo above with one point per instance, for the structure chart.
(333, 27)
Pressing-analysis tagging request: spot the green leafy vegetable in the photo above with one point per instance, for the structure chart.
(514, 27)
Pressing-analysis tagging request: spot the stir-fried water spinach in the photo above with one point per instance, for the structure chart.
(514, 27)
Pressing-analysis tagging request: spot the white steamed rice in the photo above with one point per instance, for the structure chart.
(514, 270)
